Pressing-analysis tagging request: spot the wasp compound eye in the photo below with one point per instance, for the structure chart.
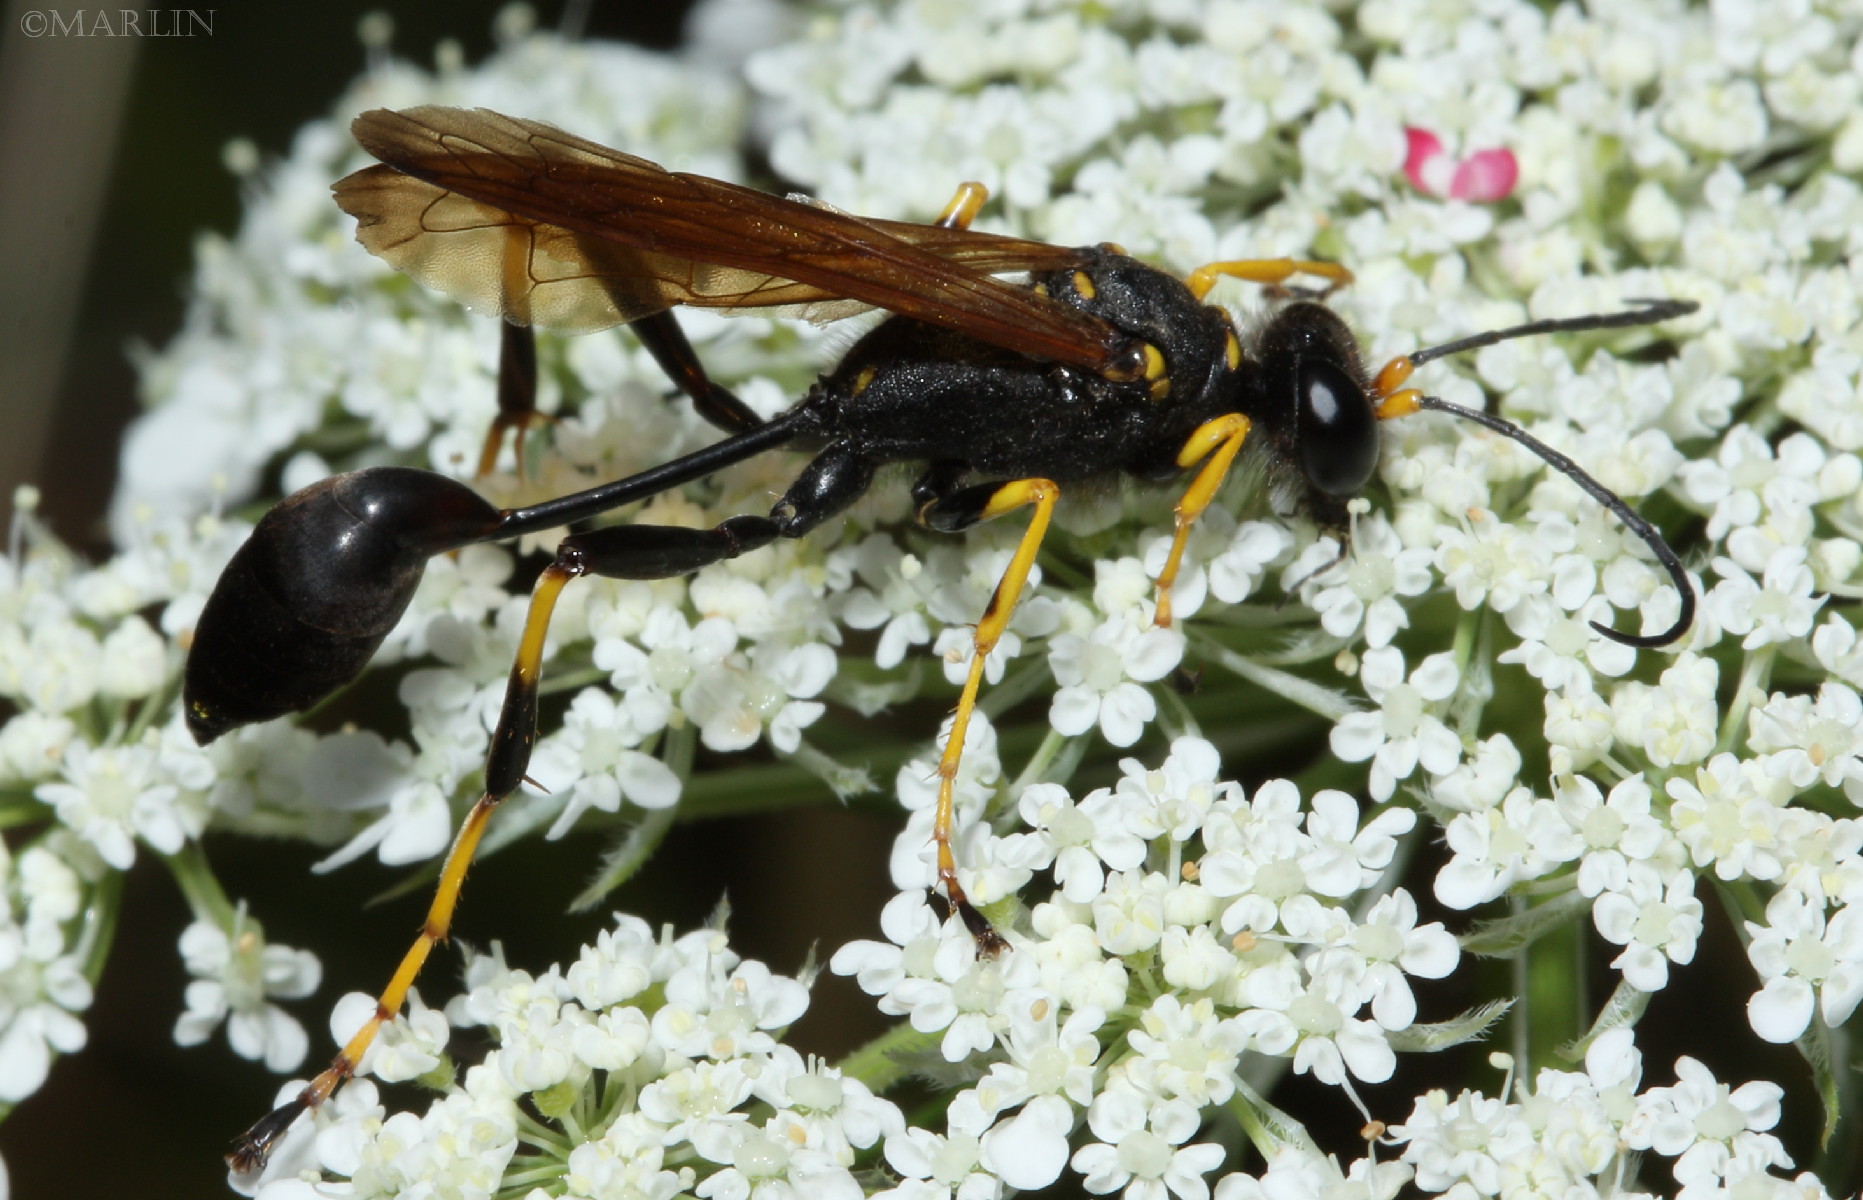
(1338, 430)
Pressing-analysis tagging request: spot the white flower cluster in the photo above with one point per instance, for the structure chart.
(1177, 943)
(1190, 924)
(655, 1064)
(1573, 1127)
(95, 758)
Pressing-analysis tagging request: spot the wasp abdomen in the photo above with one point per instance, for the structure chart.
(304, 603)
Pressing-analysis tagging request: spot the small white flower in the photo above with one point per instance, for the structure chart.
(1462, 1142)
(1387, 946)
(1778, 609)
(1141, 1151)
(1655, 920)
(235, 977)
(1403, 733)
(1100, 677)
(1169, 801)
(1522, 838)
(1366, 589)
(1083, 839)
(1814, 741)
(1491, 562)
(1253, 549)
(594, 737)
(732, 703)
(1315, 1023)
(949, 1166)
(1730, 816)
(1804, 960)
(39, 1000)
(1028, 1150)
(1560, 649)
(893, 600)
(1674, 722)
(112, 795)
(1617, 830)
(1185, 1051)
(1705, 1124)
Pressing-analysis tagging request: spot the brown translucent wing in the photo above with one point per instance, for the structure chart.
(521, 219)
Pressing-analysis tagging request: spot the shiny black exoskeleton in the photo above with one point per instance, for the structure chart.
(328, 572)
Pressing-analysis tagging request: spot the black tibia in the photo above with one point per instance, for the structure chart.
(512, 741)
(517, 377)
(939, 480)
(617, 552)
(666, 341)
(517, 396)
(958, 510)
(832, 481)
(305, 602)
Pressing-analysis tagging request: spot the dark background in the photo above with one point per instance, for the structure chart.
(134, 1114)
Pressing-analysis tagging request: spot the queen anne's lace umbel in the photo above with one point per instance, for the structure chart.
(1178, 943)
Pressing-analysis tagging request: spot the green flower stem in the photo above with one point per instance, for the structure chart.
(571, 681)
(1267, 1127)
(1755, 673)
(1038, 763)
(21, 808)
(100, 922)
(887, 1059)
(1550, 973)
(1329, 703)
(206, 898)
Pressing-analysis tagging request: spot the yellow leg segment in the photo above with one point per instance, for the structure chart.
(1041, 493)
(433, 931)
(1215, 444)
(965, 204)
(1270, 271)
(250, 1151)
(518, 425)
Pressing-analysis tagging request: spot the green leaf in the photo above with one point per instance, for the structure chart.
(1507, 936)
(1815, 1045)
(1470, 1026)
(1268, 1128)
(1623, 1009)
(626, 856)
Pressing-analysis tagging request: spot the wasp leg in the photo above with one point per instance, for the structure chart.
(517, 396)
(834, 479)
(503, 771)
(663, 338)
(1215, 444)
(965, 204)
(1269, 271)
(666, 341)
(950, 513)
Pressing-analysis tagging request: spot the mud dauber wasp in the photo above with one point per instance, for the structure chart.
(1099, 365)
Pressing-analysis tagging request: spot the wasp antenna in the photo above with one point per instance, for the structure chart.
(1605, 496)
(1648, 312)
